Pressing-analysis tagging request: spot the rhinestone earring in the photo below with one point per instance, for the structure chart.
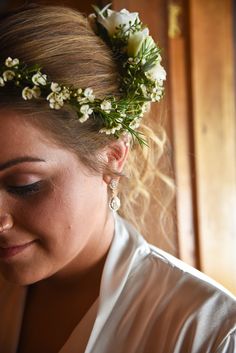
(114, 202)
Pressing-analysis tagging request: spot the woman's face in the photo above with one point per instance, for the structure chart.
(58, 208)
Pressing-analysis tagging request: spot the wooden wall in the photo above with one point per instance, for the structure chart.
(214, 123)
(198, 41)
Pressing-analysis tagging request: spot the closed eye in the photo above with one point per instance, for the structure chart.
(25, 190)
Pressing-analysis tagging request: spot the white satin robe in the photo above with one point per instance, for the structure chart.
(149, 302)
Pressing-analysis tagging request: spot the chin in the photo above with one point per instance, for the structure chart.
(21, 278)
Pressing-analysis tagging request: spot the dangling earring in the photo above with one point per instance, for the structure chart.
(114, 202)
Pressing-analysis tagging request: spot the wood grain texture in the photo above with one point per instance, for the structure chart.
(215, 136)
(181, 116)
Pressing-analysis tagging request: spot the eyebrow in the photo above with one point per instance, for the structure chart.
(19, 160)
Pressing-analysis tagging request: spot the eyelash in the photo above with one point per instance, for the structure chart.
(25, 190)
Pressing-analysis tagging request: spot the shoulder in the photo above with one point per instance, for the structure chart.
(200, 307)
(171, 271)
(181, 300)
(185, 275)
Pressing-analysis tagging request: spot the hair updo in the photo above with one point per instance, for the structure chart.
(62, 42)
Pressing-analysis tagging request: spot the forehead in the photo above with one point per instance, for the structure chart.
(18, 136)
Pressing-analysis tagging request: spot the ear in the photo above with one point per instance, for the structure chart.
(115, 154)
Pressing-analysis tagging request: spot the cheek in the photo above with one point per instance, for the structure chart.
(42, 211)
(66, 214)
(63, 220)
(52, 219)
(59, 238)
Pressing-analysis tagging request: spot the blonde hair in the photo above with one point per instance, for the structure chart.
(61, 41)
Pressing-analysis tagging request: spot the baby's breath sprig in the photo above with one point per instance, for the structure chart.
(141, 82)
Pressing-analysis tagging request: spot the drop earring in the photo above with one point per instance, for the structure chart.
(114, 202)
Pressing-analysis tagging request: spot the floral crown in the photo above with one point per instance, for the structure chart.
(141, 81)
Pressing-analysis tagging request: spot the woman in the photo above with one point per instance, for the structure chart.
(75, 276)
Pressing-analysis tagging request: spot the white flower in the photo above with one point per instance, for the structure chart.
(55, 101)
(27, 93)
(156, 96)
(82, 100)
(9, 62)
(64, 94)
(2, 83)
(86, 111)
(106, 131)
(112, 130)
(135, 123)
(8, 75)
(84, 118)
(39, 79)
(54, 97)
(117, 128)
(55, 87)
(36, 91)
(144, 90)
(88, 93)
(135, 42)
(115, 19)
(157, 73)
(51, 97)
(146, 107)
(56, 105)
(106, 105)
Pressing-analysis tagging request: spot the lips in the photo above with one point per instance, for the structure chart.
(7, 252)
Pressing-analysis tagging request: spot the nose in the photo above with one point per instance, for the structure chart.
(6, 222)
